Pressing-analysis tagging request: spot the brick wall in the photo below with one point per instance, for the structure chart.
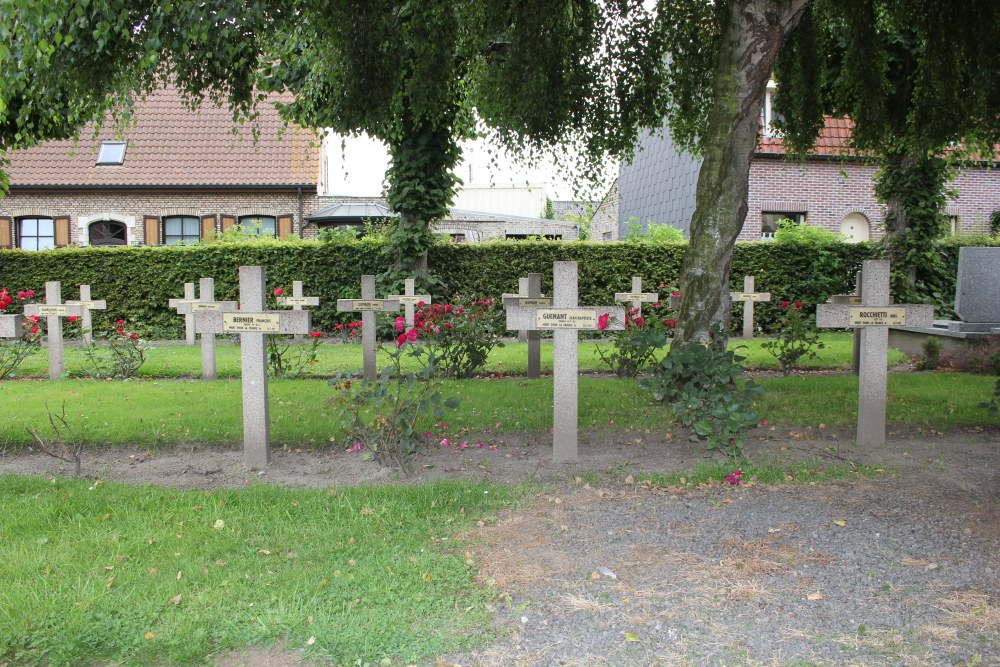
(604, 225)
(827, 191)
(130, 207)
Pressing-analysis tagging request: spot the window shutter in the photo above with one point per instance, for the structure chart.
(151, 235)
(207, 226)
(284, 223)
(6, 238)
(227, 222)
(62, 230)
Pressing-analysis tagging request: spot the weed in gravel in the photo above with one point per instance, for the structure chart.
(972, 610)
(708, 474)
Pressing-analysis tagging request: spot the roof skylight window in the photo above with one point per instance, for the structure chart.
(111, 152)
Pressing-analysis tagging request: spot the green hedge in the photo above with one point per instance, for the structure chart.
(138, 281)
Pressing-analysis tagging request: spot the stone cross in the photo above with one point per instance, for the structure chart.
(206, 303)
(565, 318)
(253, 323)
(367, 305)
(637, 296)
(529, 294)
(296, 301)
(88, 305)
(853, 299)
(182, 306)
(749, 297)
(874, 315)
(409, 301)
(53, 310)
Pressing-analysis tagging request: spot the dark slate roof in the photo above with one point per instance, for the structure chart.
(171, 145)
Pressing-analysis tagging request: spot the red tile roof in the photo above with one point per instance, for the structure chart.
(171, 145)
(833, 139)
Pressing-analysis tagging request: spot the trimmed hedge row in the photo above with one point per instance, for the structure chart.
(138, 281)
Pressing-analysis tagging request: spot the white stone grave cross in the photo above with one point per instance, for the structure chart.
(206, 303)
(253, 323)
(637, 297)
(748, 296)
(565, 318)
(88, 305)
(54, 310)
(367, 305)
(529, 294)
(182, 308)
(296, 301)
(853, 299)
(409, 301)
(875, 314)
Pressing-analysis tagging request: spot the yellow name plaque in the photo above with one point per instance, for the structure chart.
(566, 319)
(360, 306)
(528, 302)
(747, 296)
(293, 301)
(250, 323)
(646, 297)
(877, 317)
(414, 299)
(52, 311)
(205, 307)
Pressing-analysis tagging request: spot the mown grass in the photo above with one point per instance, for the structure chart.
(151, 413)
(111, 573)
(178, 361)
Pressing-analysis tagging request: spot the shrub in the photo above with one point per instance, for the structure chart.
(121, 357)
(931, 357)
(282, 362)
(700, 385)
(797, 337)
(791, 232)
(380, 417)
(461, 335)
(634, 348)
(15, 351)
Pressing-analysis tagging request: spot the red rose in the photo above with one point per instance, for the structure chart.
(400, 340)
(639, 322)
(30, 293)
(121, 322)
(339, 327)
(799, 304)
(315, 334)
(72, 318)
(279, 292)
(120, 329)
(133, 335)
(34, 329)
(784, 304)
(3, 306)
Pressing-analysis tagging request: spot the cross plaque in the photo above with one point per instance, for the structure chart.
(296, 301)
(367, 305)
(253, 323)
(874, 315)
(749, 297)
(529, 294)
(565, 318)
(88, 305)
(54, 310)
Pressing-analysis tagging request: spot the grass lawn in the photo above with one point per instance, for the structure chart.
(150, 413)
(110, 573)
(174, 360)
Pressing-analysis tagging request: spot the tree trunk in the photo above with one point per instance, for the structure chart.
(752, 35)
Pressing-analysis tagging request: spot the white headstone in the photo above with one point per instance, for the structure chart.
(253, 323)
(88, 305)
(874, 315)
(749, 297)
(566, 319)
(297, 300)
(409, 300)
(367, 305)
(183, 307)
(529, 294)
(53, 311)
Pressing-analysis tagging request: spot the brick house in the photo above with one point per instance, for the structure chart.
(830, 188)
(181, 175)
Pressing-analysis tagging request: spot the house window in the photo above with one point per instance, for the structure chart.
(111, 153)
(769, 221)
(108, 232)
(259, 225)
(36, 234)
(768, 117)
(606, 236)
(181, 229)
(458, 238)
